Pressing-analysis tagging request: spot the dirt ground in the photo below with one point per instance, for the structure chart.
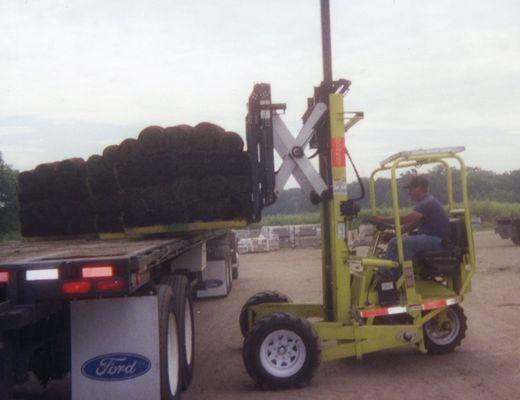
(486, 366)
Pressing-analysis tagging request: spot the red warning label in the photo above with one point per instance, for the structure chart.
(338, 152)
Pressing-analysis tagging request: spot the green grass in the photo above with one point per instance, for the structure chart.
(489, 211)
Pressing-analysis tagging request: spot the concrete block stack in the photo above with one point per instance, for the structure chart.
(285, 234)
(307, 236)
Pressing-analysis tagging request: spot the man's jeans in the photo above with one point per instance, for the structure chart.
(411, 245)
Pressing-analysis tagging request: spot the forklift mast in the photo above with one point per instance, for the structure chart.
(324, 130)
(259, 136)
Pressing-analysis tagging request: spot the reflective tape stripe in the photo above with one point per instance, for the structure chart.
(396, 310)
(429, 305)
(376, 312)
(451, 302)
(432, 305)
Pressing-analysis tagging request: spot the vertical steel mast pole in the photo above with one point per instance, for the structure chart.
(326, 41)
(325, 169)
(336, 279)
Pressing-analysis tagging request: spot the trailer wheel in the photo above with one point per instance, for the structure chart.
(183, 304)
(281, 351)
(234, 272)
(445, 331)
(269, 296)
(169, 344)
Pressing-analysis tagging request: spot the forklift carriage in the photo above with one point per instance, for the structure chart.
(362, 312)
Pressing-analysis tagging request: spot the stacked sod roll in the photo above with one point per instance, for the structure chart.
(55, 201)
(166, 176)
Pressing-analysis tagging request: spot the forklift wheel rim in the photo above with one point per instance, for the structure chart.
(173, 354)
(282, 353)
(442, 337)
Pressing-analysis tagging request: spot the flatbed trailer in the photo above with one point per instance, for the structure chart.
(53, 291)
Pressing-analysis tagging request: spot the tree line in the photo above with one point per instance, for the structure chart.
(483, 185)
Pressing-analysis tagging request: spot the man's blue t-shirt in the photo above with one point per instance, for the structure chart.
(434, 221)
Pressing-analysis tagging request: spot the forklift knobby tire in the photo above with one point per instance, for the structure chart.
(440, 339)
(183, 304)
(269, 296)
(281, 351)
(169, 344)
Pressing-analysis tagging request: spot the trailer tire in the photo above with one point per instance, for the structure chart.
(229, 273)
(268, 296)
(442, 337)
(234, 272)
(169, 344)
(281, 351)
(184, 309)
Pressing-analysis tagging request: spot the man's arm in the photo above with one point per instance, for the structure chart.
(406, 219)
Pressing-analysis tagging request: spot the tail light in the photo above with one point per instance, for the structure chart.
(98, 271)
(42, 274)
(76, 287)
(110, 285)
(4, 277)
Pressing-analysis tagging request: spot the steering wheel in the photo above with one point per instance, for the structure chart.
(382, 226)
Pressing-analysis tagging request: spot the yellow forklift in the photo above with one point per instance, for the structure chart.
(361, 312)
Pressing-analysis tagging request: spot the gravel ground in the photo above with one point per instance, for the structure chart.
(486, 366)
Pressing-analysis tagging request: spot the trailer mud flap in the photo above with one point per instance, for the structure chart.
(115, 349)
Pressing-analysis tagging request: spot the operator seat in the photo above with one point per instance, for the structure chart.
(445, 262)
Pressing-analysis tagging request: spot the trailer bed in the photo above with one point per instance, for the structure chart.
(82, 249)
(132, 264)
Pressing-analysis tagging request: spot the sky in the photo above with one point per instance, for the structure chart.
(76, 76)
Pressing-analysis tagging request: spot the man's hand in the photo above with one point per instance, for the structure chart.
(386, 236)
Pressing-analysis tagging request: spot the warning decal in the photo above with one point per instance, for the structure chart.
(338, 152)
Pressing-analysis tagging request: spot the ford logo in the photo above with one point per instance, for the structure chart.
(116, 367)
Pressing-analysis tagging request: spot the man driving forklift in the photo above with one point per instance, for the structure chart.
(428, 217)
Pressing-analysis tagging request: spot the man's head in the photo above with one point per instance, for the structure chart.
(417, 187)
